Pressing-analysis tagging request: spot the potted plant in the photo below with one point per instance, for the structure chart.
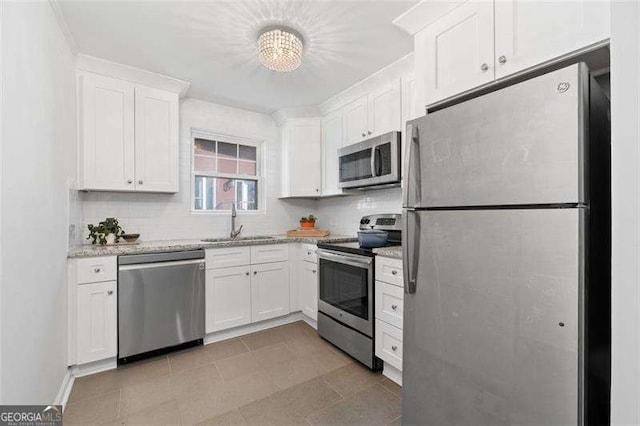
(308, 221)
(106, 232)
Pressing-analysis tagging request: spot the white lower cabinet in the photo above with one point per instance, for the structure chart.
(97, 329)
(389, 344)
(269, 290)
(228, 298)
(308, 288)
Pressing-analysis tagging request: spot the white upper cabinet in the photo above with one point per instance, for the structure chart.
(529, 33)
(106, 113)
(156, 140)
(455, 53)
(374, 114)
(128, 136)
(354, 121)
(481, 41)
(384, 107)
(301, 157)
(331, 142)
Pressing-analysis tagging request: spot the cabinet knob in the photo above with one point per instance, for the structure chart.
(394, 272)
(484, 67)
(247, 273)
(502, 59)
(364, 134)
(394, 307)
(140, 182)
(313, 270)
(308, 253)
(317, 189)
(368, 132)
(255, 272)
(97, 270)
(129, 181)
(394, 348)
(110, 292)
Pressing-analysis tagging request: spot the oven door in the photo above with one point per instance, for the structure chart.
(346, 289)
(372, 162)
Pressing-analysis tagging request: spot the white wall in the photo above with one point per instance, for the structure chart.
(625, 140)
(168, 216)
(38, 162)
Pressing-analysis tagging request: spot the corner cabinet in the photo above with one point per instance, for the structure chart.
(128, 136)
(301, 157)
(481, 41)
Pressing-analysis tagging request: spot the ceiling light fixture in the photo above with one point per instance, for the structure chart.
(280, 49)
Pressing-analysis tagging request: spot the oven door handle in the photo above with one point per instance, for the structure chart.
(360, 262)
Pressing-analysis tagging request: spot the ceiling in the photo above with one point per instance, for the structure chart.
(213, 44)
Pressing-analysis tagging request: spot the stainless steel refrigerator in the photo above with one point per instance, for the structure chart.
(506, 257)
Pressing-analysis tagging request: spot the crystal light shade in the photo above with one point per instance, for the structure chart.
(280, 49)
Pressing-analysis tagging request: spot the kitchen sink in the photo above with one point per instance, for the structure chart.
(225, 239)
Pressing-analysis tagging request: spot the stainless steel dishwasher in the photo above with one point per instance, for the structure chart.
(160, 303)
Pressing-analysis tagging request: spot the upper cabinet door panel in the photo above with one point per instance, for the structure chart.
(529, 33)
(302, 155)
(107, 132)
(156, 131)
(331, 142)
(384, 109)
(354, 121)
(456, 52)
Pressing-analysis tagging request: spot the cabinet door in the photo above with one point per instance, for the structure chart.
(97, 321)
(455, 53)
(384, 109)
(228, 298)
(106, 114)
(354, 121)
(269, 291)
(308, 289)
(301, 155)
(156, 131)
(331, 142)
(529, 33)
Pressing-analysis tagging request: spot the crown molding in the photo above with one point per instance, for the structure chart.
(64, 27)
(284, 114)
(424, 14)
(132, 74)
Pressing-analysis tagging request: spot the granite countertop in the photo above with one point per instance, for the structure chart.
(90, 250)
(392, 252)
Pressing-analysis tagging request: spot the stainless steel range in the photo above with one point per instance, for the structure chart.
(346, 290)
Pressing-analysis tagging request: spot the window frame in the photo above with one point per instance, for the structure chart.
(237, 140)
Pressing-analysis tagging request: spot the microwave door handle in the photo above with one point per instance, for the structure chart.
(373, 162)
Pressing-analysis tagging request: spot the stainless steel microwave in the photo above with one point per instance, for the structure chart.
(374, 162)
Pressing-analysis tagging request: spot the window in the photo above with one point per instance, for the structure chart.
(226, 170)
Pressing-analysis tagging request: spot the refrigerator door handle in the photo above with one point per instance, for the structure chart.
(409, 257)
(412, 131)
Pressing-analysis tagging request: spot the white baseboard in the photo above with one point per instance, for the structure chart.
(312, 323)
(65, 389)
(94, 367)
(252, 328)
(392, 373)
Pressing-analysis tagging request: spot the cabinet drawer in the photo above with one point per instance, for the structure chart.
(227, 257)
(389, 344)
(308, 253)
(389, 270)
(269, 253)
(389, 303)
(96, 269)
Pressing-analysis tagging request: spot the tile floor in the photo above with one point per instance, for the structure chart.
(283, 376)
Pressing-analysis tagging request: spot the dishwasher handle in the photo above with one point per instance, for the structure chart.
(133, 259)
(162, 264)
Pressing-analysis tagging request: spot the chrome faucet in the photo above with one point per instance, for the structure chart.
(234, 233)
